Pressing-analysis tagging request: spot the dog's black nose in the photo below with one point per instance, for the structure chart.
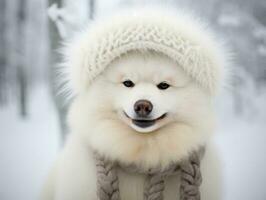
(143, 107)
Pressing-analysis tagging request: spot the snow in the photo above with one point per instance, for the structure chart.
(29, 146)
(61, 18)
(69, 18)
(229, 20)
(242, 148)
(260, 33)
(262, 50)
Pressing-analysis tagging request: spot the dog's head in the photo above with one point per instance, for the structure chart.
(141, 103)
(149, 91)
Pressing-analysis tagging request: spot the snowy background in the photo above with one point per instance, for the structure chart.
(32, 115)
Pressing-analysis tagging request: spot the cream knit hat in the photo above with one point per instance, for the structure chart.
(180, 37)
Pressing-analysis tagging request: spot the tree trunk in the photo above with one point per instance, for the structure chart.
(59, 101)
(21, 64)
(92, 9)
(3, 61)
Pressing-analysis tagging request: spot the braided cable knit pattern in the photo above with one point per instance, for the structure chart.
(154, 187)
(107, 182)
(191, 178)
(108, 186)
(155, 183)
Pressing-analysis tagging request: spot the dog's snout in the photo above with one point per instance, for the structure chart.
(143, 107)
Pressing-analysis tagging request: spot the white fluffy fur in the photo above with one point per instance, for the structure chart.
(96, 117)
(182, 37)
(96, 123)
(189, 121)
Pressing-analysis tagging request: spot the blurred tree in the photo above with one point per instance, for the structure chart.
(61, 21)
(60, 105)
(92, 8)
(21, 64)
(3, 61)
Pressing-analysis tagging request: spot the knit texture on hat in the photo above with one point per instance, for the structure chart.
(180, 37)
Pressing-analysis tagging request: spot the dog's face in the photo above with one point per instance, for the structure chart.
(149, 91)
(143, 99)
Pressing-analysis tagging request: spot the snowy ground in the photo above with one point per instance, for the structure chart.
(28, 148)
(243, 149)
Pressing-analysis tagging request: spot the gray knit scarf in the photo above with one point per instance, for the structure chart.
(108, 187)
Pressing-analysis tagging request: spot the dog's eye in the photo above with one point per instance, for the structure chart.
(128, 83)
(163, 86)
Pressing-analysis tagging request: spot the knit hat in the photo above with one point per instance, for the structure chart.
(182, 38)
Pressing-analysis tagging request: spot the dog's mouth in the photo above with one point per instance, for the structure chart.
(145, 122)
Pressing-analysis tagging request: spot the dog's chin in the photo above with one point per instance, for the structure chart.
(144, 125)
(145, 130)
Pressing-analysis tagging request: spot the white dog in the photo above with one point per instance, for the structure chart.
(144, 108)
